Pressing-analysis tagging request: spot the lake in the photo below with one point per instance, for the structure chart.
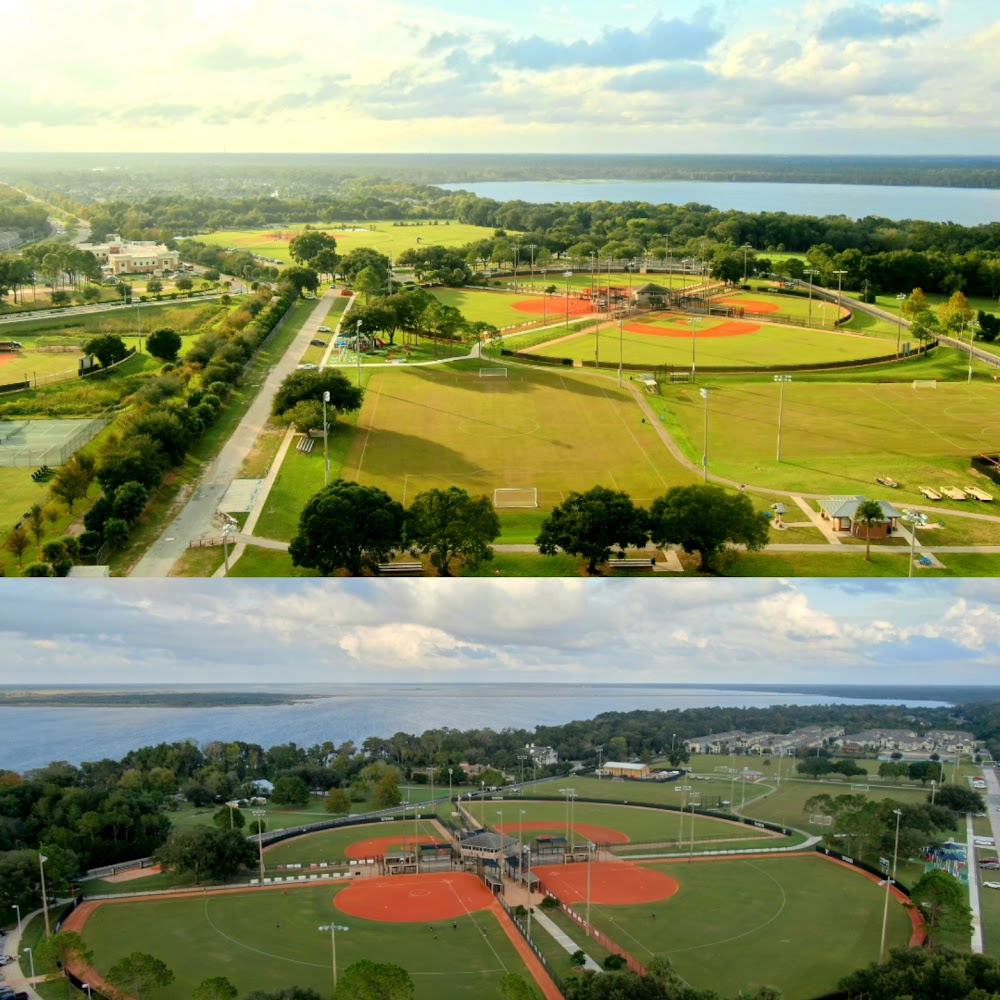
(965, 206)
(33, 736)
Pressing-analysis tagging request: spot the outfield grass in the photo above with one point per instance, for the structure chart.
(795, 923)
(761, 345)
(265, 940)
(331, 845)
(553, 431)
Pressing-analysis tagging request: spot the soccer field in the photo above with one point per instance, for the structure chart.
(837, 437)
(437, 427)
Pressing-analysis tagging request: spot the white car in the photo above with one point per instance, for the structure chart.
(306, 367)
(991, 885)
(323, 329)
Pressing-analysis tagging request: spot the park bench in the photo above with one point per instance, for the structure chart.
(646, 562)
(391, 568)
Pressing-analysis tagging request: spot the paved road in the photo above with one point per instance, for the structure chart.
(196, 518)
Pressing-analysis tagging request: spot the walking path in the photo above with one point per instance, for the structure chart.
(197, 516)
(11, 974)
(561, 937)
(973, 868)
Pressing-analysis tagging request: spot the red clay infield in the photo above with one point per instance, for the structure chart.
(751, 305)
(6, 359)
(615, 882)
(554, 306)
(598, 834)
(414, 898)
(731, 328)
(377, 846)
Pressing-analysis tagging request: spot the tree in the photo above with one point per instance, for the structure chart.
(71, 483)
(16, 543)
(386, 794)
(915, 303)
(924, 325)
(228, 818)
(920, 974)
(989, 326)
(704, 519)
(164, 344)
(941, 900)
(309, 386)
(360, 258)
(958, 799)
(154, 286)
(215, 988)
(445, 524)
(63, 949)
(36, 522)
(591, 524)
(290, 791)
(207, 852)
(338, 800)
(108, 349)
(299, 279)
(368, 281)
(184, 283)
(578, 958)
(304, 248)
(139, 974)
(955, 313)
(869, 512)
(347, 526)
(129, 500)
(367, 980)
(116, 532)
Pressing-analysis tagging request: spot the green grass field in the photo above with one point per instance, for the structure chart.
(795, 923)
(434, 427)
(382, 236)
(770, 344)
(266, 940)
(331, 845)
(836, 438)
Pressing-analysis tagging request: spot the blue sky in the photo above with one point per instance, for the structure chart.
(748, 76)
(724, 631)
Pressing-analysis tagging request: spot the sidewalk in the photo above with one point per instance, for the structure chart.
(561, 938)
(11, 975)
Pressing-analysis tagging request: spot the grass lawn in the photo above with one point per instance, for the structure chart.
(665, 339)
(263, 940)
(738, 924)
(837, 437)
(199, 562)
(553, 431)
(331, 845)
(838, 564)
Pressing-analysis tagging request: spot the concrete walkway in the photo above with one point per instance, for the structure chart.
(11, 975)
(970, 853)
(196, 519)
(561, 938)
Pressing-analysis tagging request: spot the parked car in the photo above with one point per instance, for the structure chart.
(323, 329)
(318, 343)
(991, 885)
(989, 863)
(306, 367)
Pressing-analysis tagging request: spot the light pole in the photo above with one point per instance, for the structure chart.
(569, 793)
(86, 986)
(14, 906)
(260, 814)
(695, 800)
(590, 851)
(517, 261)
(326, 450)
(900, 298)
(630, 265)
(704, 456)
(812, 274)
(138, 324)
(840, 297)
(600, 766)
(45, 899)
(520, 845)
(745, 248)
(502, 855)
(531, 247)
(482, 804)
(781, 380)
(227, 530)
(449, 786)
(31, 961)
(972, 337)
(680, 827)
(889, 882)
(694, 330)
(591, 256)
(357, 345)
(333, 928)
(913, 518)
(620, 350)
(567, 275)
(416, 835)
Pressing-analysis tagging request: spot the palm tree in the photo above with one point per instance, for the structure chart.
(869, 512)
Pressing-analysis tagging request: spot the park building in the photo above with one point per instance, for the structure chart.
(620, 769)
(118, 256)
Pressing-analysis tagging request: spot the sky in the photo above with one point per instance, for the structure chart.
(548, 630)
(729, 76)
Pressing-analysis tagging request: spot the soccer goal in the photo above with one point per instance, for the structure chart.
(526, 496)
(492, 372)
(925, 383)
(819, 819)
(860, 788)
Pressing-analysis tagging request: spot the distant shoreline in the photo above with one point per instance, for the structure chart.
(28, 698)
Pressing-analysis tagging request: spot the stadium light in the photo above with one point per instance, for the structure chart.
(570, 793)
(680, 829)
(694, 328)
(31, 961)
(357, 347)
(781, 380)
(840, 298)
(746, 248)
(260, 814)
(889, 882)
(45, 900)
(567, 275)
(326, 451)
(333, 928)
(704, 454)
(900, 297)
(972, 337)
(449, 788)
(812, 274)
(14, 906)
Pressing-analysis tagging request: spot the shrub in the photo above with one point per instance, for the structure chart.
(39, 569)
